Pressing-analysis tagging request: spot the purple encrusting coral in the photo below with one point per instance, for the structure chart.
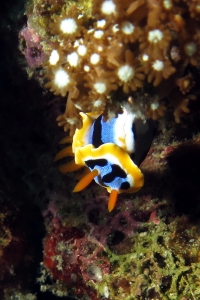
(32, 49)
(121, 222)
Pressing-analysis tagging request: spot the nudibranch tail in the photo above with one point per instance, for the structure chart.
(112, 200)
(85, 181)
(69, 167)
(63, 153)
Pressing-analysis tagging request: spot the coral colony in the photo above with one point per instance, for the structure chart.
(117, 62)
(124, 51)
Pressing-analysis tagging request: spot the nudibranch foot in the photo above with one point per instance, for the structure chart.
(85, 181)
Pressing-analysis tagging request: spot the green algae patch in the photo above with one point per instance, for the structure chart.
(158, 266)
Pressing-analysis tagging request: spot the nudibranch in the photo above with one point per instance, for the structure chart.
(111, 150)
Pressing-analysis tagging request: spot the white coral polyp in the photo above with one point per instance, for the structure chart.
(154, 106)
(127, 27)
(101, 23)
(86, 68)
(54, 57)
(94, 58)
(82, 50)
(72, 121)
(100, 87)
(190, 49)
(115, 28)
(98, 103)
(73, 59)
(68, 26)
(158, 65)
(108, 7)
(126, 73)
(168, 4)
(61, 78)
(155, 36)
(145, 57)
(98, 34)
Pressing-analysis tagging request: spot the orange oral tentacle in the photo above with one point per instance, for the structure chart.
(112, 200)
(85, 181)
